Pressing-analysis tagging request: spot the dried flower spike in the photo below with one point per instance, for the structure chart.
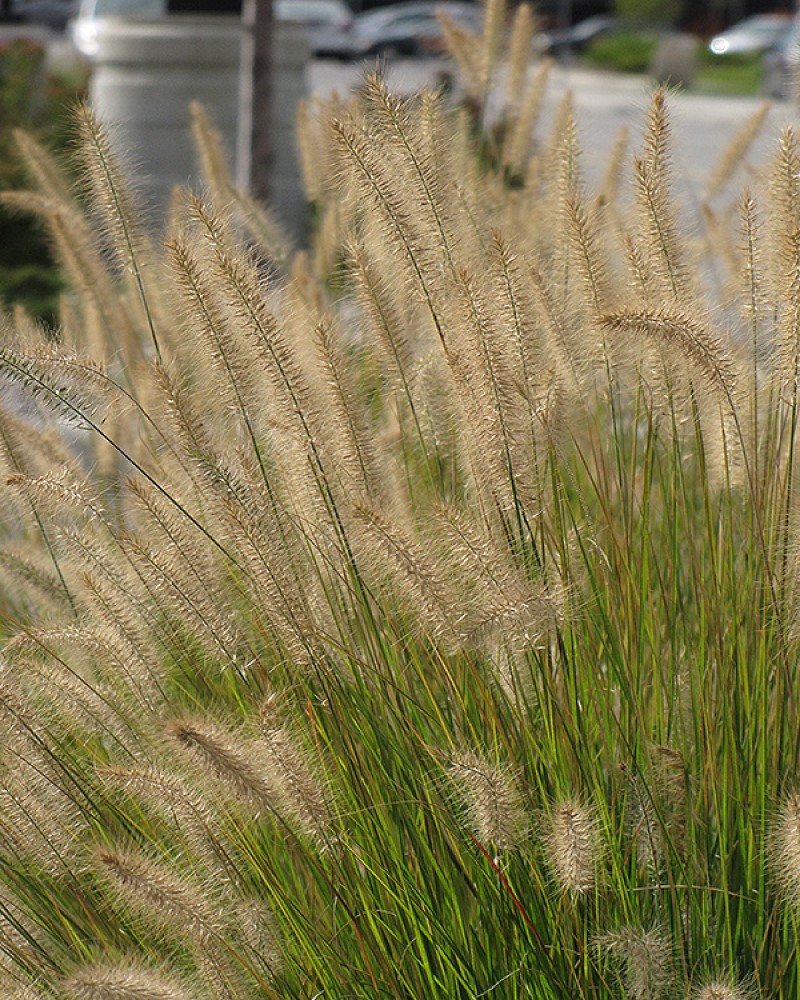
(645, 958)
(492, 799)
(122, 982)
(721, 989)
(785, 848)
(573, 847)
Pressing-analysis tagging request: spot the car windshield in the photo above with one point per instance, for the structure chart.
(758, 26)
(126, 8)
(312, 11)
(763, 29)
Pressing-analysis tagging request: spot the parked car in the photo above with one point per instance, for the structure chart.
(752, 35)
(401, 29)
(316, 15)
(780, 66)
(53, 14)
(568, 41)
(561, 41)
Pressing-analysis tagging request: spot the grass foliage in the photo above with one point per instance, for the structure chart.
(414, 616)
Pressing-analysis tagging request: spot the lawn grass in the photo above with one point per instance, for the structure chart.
(729, 75)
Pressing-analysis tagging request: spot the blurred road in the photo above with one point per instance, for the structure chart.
(702, 126)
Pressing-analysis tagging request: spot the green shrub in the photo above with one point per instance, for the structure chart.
(663, 11)
(626, 52)
(33, 98)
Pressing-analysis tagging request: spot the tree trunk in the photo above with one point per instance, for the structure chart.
(256, 151)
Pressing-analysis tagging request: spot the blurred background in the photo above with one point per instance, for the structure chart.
(141, 61)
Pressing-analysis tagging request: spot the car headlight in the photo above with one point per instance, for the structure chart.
(84, 37)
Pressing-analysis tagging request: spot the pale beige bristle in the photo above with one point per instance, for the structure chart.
(129, 981)
(523, 29)
(517, 145)
(784, 848)
(722, 989)
(736, 150)
(573, 847)
(646, 959)
(492, 799)
(226, 756)
(157, 892)
(301, 788)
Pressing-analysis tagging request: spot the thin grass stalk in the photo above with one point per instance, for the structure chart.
(121, 215)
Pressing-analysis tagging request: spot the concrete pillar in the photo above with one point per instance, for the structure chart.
(147, 72)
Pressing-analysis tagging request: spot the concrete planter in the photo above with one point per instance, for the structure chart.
(147, 72)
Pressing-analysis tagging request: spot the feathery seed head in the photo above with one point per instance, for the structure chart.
(258, 928)
(573, 847)
(164, 791)
(645, 958)
(722, 989)
(492, 799)
(784, 848)
(156, 892)
(226, 756)
(121, 982)
(523, 28)
(736, 150)
(300, 789)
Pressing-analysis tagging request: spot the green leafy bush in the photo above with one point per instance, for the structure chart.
(626, 52)
(33, 98)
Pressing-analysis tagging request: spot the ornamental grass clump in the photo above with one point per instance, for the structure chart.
(414, 615)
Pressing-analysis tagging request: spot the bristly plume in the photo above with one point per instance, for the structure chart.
(308, 147)
(157, 893)
(214, 970)
(411, 572)
(463, 46)
(608, 189)
(784, 848)
(672, 332)
(492, 799)
(226, 756)
(13, 991)
(723, 989)
(573, 847)
(523, 29)
(588, 254)
(47, 173)
(736, 150)
(256, 218)
(258, 928)
(302, 790)
(213, 162)
(383, 310)
(517, 144)
(494, 23)
(661, 235)
(129, 981)
(497, 605)
(646, 961)
(166, 792)
(115, 205)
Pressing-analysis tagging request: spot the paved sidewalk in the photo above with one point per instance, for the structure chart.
(604, 102)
